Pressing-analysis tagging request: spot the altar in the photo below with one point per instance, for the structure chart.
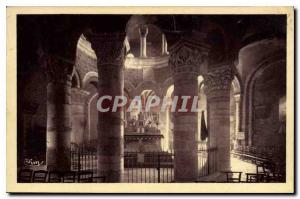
(142, 134)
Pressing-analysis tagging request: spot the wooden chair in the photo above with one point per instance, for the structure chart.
(254, 177)
(276, 174)
(54, 177)
(85, 176)
(25, 175)
(261, 169)
(68, 177)
(233, 176)
(40, 176)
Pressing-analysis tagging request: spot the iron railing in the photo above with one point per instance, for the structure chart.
(207, 161)
(146, 167)
(83, 158)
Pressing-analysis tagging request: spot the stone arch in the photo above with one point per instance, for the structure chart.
(252, 58)
(202, 101)
(89, 137)
(249, 89)
(236, 85)
(90, 76)
(154, 35)
(166, 118)
(90, 82)
(235, 112)
(234, 99)
(147, 85)
(167, 84)
(76, 81)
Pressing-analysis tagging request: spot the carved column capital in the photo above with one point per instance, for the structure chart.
(187, 57)
(58, 69)
(218, 80)
(109, 48)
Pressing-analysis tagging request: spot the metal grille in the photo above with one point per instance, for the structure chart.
(147, 167)
(207, 161)
(83, 158)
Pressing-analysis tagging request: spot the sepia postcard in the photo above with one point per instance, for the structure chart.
(150, 100)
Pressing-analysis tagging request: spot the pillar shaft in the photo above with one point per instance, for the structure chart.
(58, 115)
(78, 115)
(217, 87)
(164, 45)
(185, 132)
(110, 124)
(186, 60)
(237, 114)
(27, 123)
(143, 41)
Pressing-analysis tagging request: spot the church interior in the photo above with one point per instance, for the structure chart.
(235, 64)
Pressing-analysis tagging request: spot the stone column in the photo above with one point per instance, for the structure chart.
(143, 40)
(27, 123)
(29, 110)
(185, 131)
(78, 115)
(237, 98)
(185, 62)
(59, 75)
(217, 87)
(109, 49)
(164, 45)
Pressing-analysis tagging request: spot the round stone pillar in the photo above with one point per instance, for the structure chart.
(217, 88)
(185, 60)
(58, 114)
(109, 49)
(78, 115)
(185, 131)
(143, 30)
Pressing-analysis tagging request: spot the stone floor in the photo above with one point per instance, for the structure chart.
(237, 165)
(245, 167)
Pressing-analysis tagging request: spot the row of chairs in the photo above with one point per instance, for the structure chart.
(260, 154)
(235, 177)
(263, 174)
(266, 152)
(271, 172)
(42, 176)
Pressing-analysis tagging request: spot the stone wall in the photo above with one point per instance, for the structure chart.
(269, 88)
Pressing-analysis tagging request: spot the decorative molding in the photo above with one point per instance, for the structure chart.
(89, 76)
(146, 62)
(59, 70)
(217, 80)
(77, 78)
(109, 48)
(186, 57)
